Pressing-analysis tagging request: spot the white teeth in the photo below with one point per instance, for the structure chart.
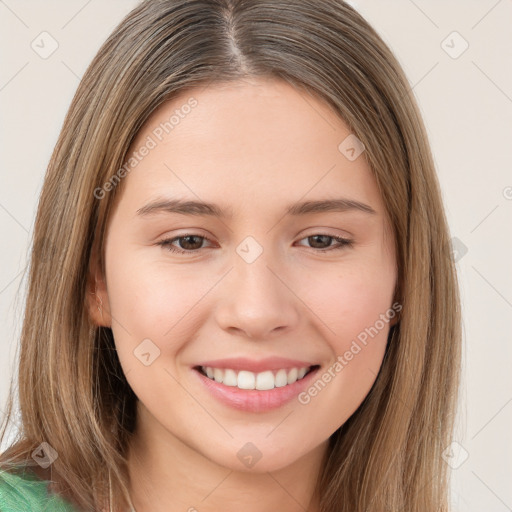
(281, 378)
(293, 374)
(302, 372)
(265, 380)
(246, 380)
(218, 375)
(250, 380)
(229, 378)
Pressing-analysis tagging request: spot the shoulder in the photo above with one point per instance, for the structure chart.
(24, 490)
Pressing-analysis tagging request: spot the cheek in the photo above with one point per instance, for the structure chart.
(350, 299)
(354, 308)
(148, 301)
(355, 314)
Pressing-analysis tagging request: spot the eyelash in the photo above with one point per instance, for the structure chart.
(166, 243)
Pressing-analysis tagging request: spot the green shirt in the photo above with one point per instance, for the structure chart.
(26, 492)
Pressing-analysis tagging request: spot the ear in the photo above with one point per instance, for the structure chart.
(97, 296)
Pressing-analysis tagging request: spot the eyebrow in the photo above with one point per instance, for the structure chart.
(199, 208)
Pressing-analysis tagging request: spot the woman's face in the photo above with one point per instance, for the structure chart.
(286, 262)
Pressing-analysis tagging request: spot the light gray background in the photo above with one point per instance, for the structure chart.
(467, 106)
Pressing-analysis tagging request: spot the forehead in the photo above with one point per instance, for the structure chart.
(254, 139)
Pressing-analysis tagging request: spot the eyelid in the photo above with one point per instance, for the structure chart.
(339, 233)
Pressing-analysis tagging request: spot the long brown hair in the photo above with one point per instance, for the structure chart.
(72, 390)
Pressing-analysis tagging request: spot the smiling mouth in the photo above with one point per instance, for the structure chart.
(262, 381)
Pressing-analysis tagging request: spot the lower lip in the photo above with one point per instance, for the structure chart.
(251, 400)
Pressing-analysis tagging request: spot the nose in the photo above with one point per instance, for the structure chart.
(257, 300)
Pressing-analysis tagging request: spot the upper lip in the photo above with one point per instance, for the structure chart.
(255, 366)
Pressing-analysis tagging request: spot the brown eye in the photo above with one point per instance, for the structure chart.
(191, 242)
(323, 242)
(185, 244)
(317, 241)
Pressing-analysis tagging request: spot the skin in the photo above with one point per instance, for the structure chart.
(255, 147)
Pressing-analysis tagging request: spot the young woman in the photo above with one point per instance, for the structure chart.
(241, 293)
